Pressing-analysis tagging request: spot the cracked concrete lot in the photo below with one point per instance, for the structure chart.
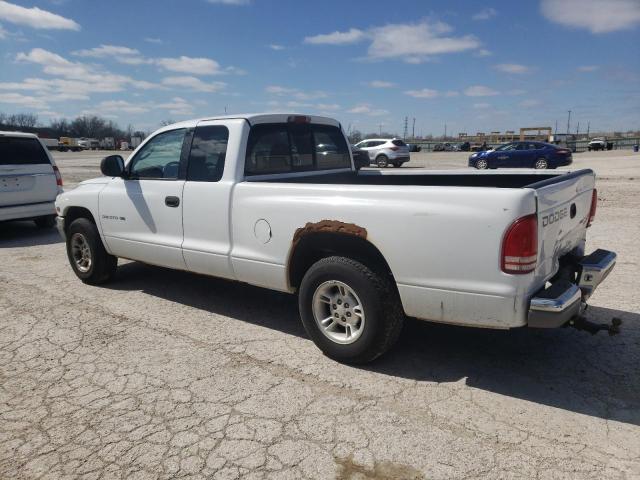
(165, 374)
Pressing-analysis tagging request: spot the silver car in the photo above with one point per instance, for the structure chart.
(385, 151)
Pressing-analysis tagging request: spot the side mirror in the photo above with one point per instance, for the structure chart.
(360, 159)
(112, 166)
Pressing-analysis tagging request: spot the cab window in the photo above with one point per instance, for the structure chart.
(208, 152)
(159, 158)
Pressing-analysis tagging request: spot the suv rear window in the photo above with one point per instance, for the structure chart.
(399, 143)
(286, 148)
(21, 151)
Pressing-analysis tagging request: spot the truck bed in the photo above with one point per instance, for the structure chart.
(505, 179)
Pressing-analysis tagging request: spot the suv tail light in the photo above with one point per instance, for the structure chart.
(520, 246)
(594, 205)
(58, 176)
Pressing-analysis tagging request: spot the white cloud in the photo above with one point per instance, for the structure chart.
(367, 109)
(230, 2)
(275, 46)
(121, 106)
(35, 18)
(381, 84)
(157, 41)
(485, 14)
(513, 68)
(106, 51)
(588, 68)
(336, 38)
(414, 43)
(483, 52)
(177, 106)
(451, 93)
(480, 91)
(481, 106)
(196, 66)
(597, 16)
(294, 92)
(23, 100)
(529, 103)
(423, 93)
(193, 83)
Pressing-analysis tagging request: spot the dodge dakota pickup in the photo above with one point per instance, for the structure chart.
(275, 200)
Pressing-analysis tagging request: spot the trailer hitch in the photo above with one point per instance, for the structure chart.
(580, 322)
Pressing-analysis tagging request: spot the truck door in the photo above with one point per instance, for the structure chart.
(141, 215)
(207, 197)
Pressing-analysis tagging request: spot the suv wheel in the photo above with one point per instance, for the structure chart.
(90, 261)
(397, 164)
(48, 221)
(352, 313)
(382, 161)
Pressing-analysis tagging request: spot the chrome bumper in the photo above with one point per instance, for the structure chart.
(60, 227)
(556, 305)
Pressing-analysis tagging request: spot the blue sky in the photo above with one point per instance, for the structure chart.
(474, 65)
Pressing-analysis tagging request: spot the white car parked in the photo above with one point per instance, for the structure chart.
(274, 200)
(385, 151)
(29, 179)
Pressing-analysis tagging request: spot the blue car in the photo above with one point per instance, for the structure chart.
(523, 154)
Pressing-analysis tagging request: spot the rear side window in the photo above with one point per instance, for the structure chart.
(285, 148)
(21, 151)
(399, 143)
(208, 152)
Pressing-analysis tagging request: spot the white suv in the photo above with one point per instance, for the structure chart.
(29, 179)
(385, 151)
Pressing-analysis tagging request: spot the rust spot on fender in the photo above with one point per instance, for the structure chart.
(329, 226)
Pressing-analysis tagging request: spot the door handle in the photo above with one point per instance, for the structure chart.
(171, 201)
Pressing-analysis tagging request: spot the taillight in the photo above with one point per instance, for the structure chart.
(58, 176)
(520, 246)
(564, 152)
(594, 205)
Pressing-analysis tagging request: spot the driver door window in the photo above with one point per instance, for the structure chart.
(159, 158)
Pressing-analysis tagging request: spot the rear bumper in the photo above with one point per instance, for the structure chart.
(399, 158)
(27, 211)
(555, 306)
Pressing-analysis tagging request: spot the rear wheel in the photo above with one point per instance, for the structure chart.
(382, 161)
(397, 164)
(90, 261)
(48, 221)
(541, 164)
(352, 313)
(482, 164)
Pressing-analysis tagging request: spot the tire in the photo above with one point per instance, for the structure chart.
(95, 266)
(48, 221)
(382, 161)
(397, 164)
(482, 164)
(380, 321)
(541, 164)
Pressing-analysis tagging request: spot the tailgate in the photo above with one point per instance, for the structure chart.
(25, 184)
(563, 209)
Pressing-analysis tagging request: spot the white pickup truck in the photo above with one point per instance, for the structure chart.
(252, 198)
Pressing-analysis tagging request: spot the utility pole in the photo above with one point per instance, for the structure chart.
(445, 131)
(588, 125)
(380, 129)
(568, 121)
(555, 132)
(578, 129)
(406, 120)
(413, 129)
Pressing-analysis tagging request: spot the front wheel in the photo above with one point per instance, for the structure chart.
(541, 164)
(482, 164)
(382, 161)
(90, 261)
(352, 313)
